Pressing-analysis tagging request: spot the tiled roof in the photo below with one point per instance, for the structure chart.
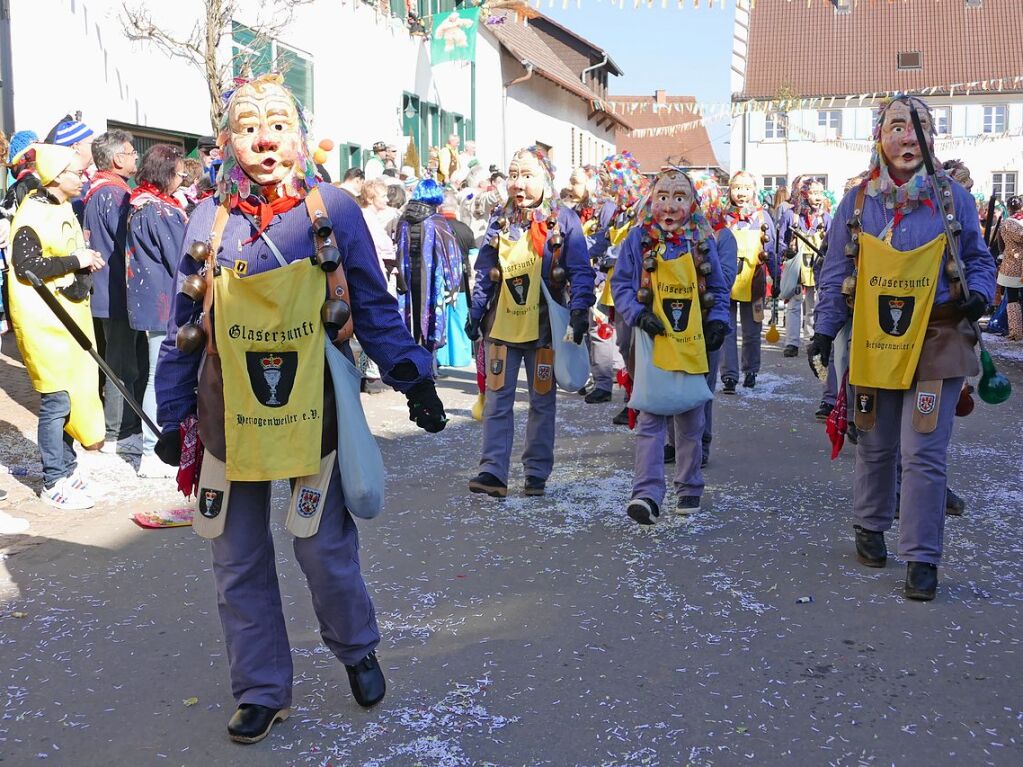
(525, 44)
(816, 51)
(689, 147)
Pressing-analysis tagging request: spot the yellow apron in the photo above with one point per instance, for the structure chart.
(616, 236)
(590, 227)
(270, 341)
(55, 362)
(677, 304)
(750, 248)
(807, 256)
(517, 317)
(894, 294)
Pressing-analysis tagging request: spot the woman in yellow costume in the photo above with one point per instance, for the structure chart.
(47, 241)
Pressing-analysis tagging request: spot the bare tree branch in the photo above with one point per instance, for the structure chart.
(201, 48)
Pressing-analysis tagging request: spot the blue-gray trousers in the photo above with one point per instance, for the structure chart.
(499, 422)
(751, 340)
(648, 480)
(924, 472)
(249, 598)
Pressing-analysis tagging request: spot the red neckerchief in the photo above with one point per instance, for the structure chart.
(148, 190)
(106, 178)
(264, 211)
(586, 213)
(538, 236)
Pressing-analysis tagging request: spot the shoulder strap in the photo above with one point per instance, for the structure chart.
(337, 282)
(216, 235)
(861, 196)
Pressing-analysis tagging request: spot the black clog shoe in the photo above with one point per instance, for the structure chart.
(252, 722)
(367, 681)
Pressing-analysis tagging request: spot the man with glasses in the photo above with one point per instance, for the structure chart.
(124, 349)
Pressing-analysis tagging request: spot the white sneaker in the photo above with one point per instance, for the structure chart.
(151, 467)
(79, 480)
(12, 525)
(129, 446)
(62, 496)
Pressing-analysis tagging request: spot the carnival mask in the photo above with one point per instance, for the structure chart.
(264, 133)
(898, 140)
(742, 189)
(526, 181)
(578, 186)
(671, 201)
(815, 195)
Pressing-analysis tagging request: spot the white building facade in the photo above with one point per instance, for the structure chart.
(362, 77)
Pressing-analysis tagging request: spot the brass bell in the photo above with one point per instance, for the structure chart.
(335, 315)
(557, 240)
(190, 338)
(849, 285)
(558, 274)
(649, 263)
(495, 274)
(199, 251)
(706, 300)
(850, 301)
(852, 248)
(853, 223)
(762, 257)
(955, 227)
(703, 247)
(322, 226)
(952, 271)
(645, 296)
(194, 287)
(502, 223)
(328, 257)
(705, 269)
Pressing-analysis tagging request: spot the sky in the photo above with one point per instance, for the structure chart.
(685, 52)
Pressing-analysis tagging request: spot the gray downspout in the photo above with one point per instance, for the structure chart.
(6, 70)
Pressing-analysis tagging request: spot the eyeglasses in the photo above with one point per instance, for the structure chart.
(183, 174)
(132, 153)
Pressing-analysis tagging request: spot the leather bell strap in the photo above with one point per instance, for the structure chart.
(337, 282)
(216, 235)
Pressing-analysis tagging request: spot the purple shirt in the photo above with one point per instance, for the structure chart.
(378, 325)
(625, 280)
(106, 221)
(918, 227)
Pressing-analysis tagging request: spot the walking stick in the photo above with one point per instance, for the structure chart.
(83, 340)
(994, 387)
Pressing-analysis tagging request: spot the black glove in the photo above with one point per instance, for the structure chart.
(790, 250)
(650, 324)
(820, 346)
(714, 333)
(974, 307)
(580, 323)
(425, 407)
(472, 329)
(168, 447)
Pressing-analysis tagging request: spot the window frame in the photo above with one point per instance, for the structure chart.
(774, 127)
(273, 56)
(775, 177)
(999, 179)
(947, 112)
(993, 111)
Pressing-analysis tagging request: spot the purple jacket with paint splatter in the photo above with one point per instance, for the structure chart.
(155, 233)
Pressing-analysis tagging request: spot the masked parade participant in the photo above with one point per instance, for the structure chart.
(668, 284)
(802, 230)
(624, 184)
(595, 217)
(533, 239)
(754, 233)
(912, 338)
(276, 267)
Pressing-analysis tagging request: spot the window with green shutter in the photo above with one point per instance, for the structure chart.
(254, 55)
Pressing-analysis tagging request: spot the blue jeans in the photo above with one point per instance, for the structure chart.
(55, 444)
(154, 338)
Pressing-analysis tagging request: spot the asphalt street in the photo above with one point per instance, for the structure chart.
(548, 631)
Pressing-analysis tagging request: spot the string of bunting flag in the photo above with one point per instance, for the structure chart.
(942, 143)
(739, 108)
(744, 5)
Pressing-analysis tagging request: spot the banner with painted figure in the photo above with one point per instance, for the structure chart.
(454, 36)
